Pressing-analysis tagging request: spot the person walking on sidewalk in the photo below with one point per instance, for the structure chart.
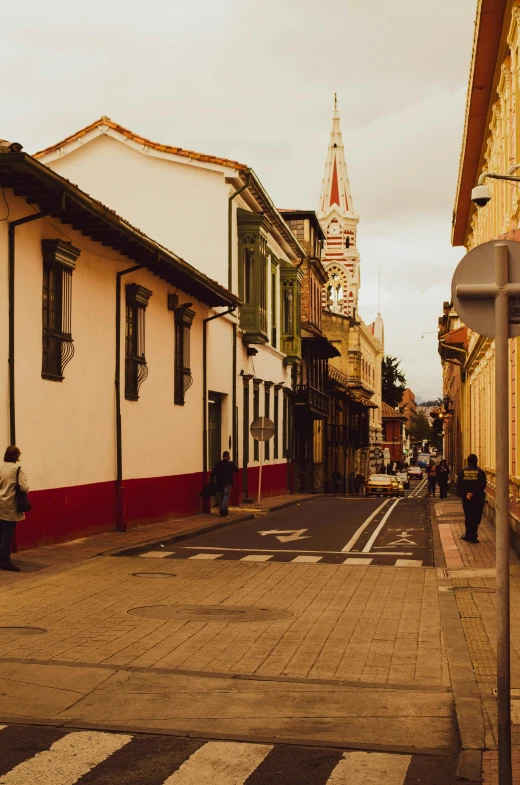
(443, 478)
(223, 475)
(10, 473)
(432, 478)
(471, 486)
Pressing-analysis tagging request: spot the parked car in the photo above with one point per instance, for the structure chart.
(380, 485)
(415, 473)
(398, 487)
(404, 478)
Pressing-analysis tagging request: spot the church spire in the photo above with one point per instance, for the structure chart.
(335, 191)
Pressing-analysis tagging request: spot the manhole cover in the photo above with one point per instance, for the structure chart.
(22, 630)
(153, 574)
(209, 613)
(474, 589)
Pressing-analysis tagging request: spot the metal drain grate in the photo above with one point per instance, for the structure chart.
(22, 630)
(218, 613)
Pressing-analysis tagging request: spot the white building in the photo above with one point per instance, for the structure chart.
(216, 213)
(101, 360)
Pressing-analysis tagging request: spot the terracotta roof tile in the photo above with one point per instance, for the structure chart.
(140, 140)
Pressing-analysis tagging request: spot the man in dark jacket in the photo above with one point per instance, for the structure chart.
(223, 475)
(471, 484)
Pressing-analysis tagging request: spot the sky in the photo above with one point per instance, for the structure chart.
(254, 80)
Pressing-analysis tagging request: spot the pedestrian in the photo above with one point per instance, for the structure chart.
(359, 484)
(432, 478)
(223, 475)
(443, 478)
(10, 473)
(471, 486)
(336, 482)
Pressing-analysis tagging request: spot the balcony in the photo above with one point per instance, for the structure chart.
(313, 399)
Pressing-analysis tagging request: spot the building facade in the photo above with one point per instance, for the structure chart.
(393, 434)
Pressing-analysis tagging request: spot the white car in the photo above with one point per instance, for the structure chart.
(403, 477)
(415, 473)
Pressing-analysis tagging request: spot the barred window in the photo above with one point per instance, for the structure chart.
(59, 262)
(183, 379)
(136, 369)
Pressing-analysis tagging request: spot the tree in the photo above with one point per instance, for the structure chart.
(420, 428)
(394, 381)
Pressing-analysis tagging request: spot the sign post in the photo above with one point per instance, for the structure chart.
(262, 429)
(485, 292)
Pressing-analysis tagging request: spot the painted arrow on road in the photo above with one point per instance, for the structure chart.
(293, 534)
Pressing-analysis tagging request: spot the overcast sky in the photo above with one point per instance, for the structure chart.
(254, 80)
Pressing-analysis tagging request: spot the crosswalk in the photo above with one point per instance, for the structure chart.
(32, 755)
(289, 557)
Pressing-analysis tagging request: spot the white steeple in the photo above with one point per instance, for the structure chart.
(339, 222)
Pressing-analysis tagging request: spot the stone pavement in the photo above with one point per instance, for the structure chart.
(469, 577)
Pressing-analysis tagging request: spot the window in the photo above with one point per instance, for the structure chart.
(275, 420)
(248, 262)
(59, 262)
(183, 379)
(274, 305)
(267, 413)
(256, 414)
(253, 276)
(136, 369)
(291, 278)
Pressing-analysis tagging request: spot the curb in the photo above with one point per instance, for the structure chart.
(203, 528)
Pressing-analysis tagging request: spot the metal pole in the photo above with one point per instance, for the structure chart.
(261, 448)
(502, 515)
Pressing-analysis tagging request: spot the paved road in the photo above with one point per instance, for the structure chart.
(35, 755)
(325, 530)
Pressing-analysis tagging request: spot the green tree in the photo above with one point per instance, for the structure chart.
(420, 427)
(394, 381)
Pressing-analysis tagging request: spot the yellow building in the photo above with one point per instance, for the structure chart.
(491, 143)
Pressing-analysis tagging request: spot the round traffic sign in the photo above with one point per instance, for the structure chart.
(262, 429)
(478, 267)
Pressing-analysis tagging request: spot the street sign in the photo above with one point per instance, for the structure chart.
(262, 429)
(477, 269)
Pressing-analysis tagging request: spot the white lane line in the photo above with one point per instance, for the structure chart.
(156, 554)
(375, 534)
(348, 547)
(283, 550)
(257, 557)
(408, 563)
(67, 760)
(421, 485)
(354, 560)
(220, 763)
(370, 768)
(306, 559)
(207, 555)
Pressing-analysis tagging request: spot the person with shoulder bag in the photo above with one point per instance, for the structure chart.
(14, 503)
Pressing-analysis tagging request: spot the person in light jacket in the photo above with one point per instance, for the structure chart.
(9, 515)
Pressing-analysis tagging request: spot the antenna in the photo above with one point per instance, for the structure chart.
(379, 288)
(335, 103)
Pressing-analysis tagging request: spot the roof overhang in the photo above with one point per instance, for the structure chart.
(57, 197)
(484, 75)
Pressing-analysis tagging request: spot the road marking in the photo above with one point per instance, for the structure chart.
(257, 557)
(357, 535)
(375, 535)
(220, 763)
(306, 559)
(408, 563)
(67, 759)
(370, 768)
(156, 554)
(421, 485)
(283, 550)
(207, 555)
(292, 534)
(354, 560)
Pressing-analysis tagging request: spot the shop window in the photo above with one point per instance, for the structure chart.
(136, 369)
(59, 262)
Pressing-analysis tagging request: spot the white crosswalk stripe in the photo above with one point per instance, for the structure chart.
(354, 560)
(206, 556)
(257, 557)
(306, 559)
(370, 768)
(220, 763)
(156, 554)
(67, 760)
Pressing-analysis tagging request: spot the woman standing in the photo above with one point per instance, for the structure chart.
(432, 478)
(10, 471)
(443, 478)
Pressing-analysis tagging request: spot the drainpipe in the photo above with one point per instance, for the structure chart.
(11, 274)
(120, 491)
(205, 387)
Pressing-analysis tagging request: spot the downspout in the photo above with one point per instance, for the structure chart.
(205, 389)
(11, 275)
(120, 506)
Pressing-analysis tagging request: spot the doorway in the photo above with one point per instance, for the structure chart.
(214, 429)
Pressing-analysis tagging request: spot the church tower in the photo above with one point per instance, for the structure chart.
(339, 222)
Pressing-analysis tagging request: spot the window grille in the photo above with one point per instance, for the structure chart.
(59, 262)
(183, 378)
(136, 369)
